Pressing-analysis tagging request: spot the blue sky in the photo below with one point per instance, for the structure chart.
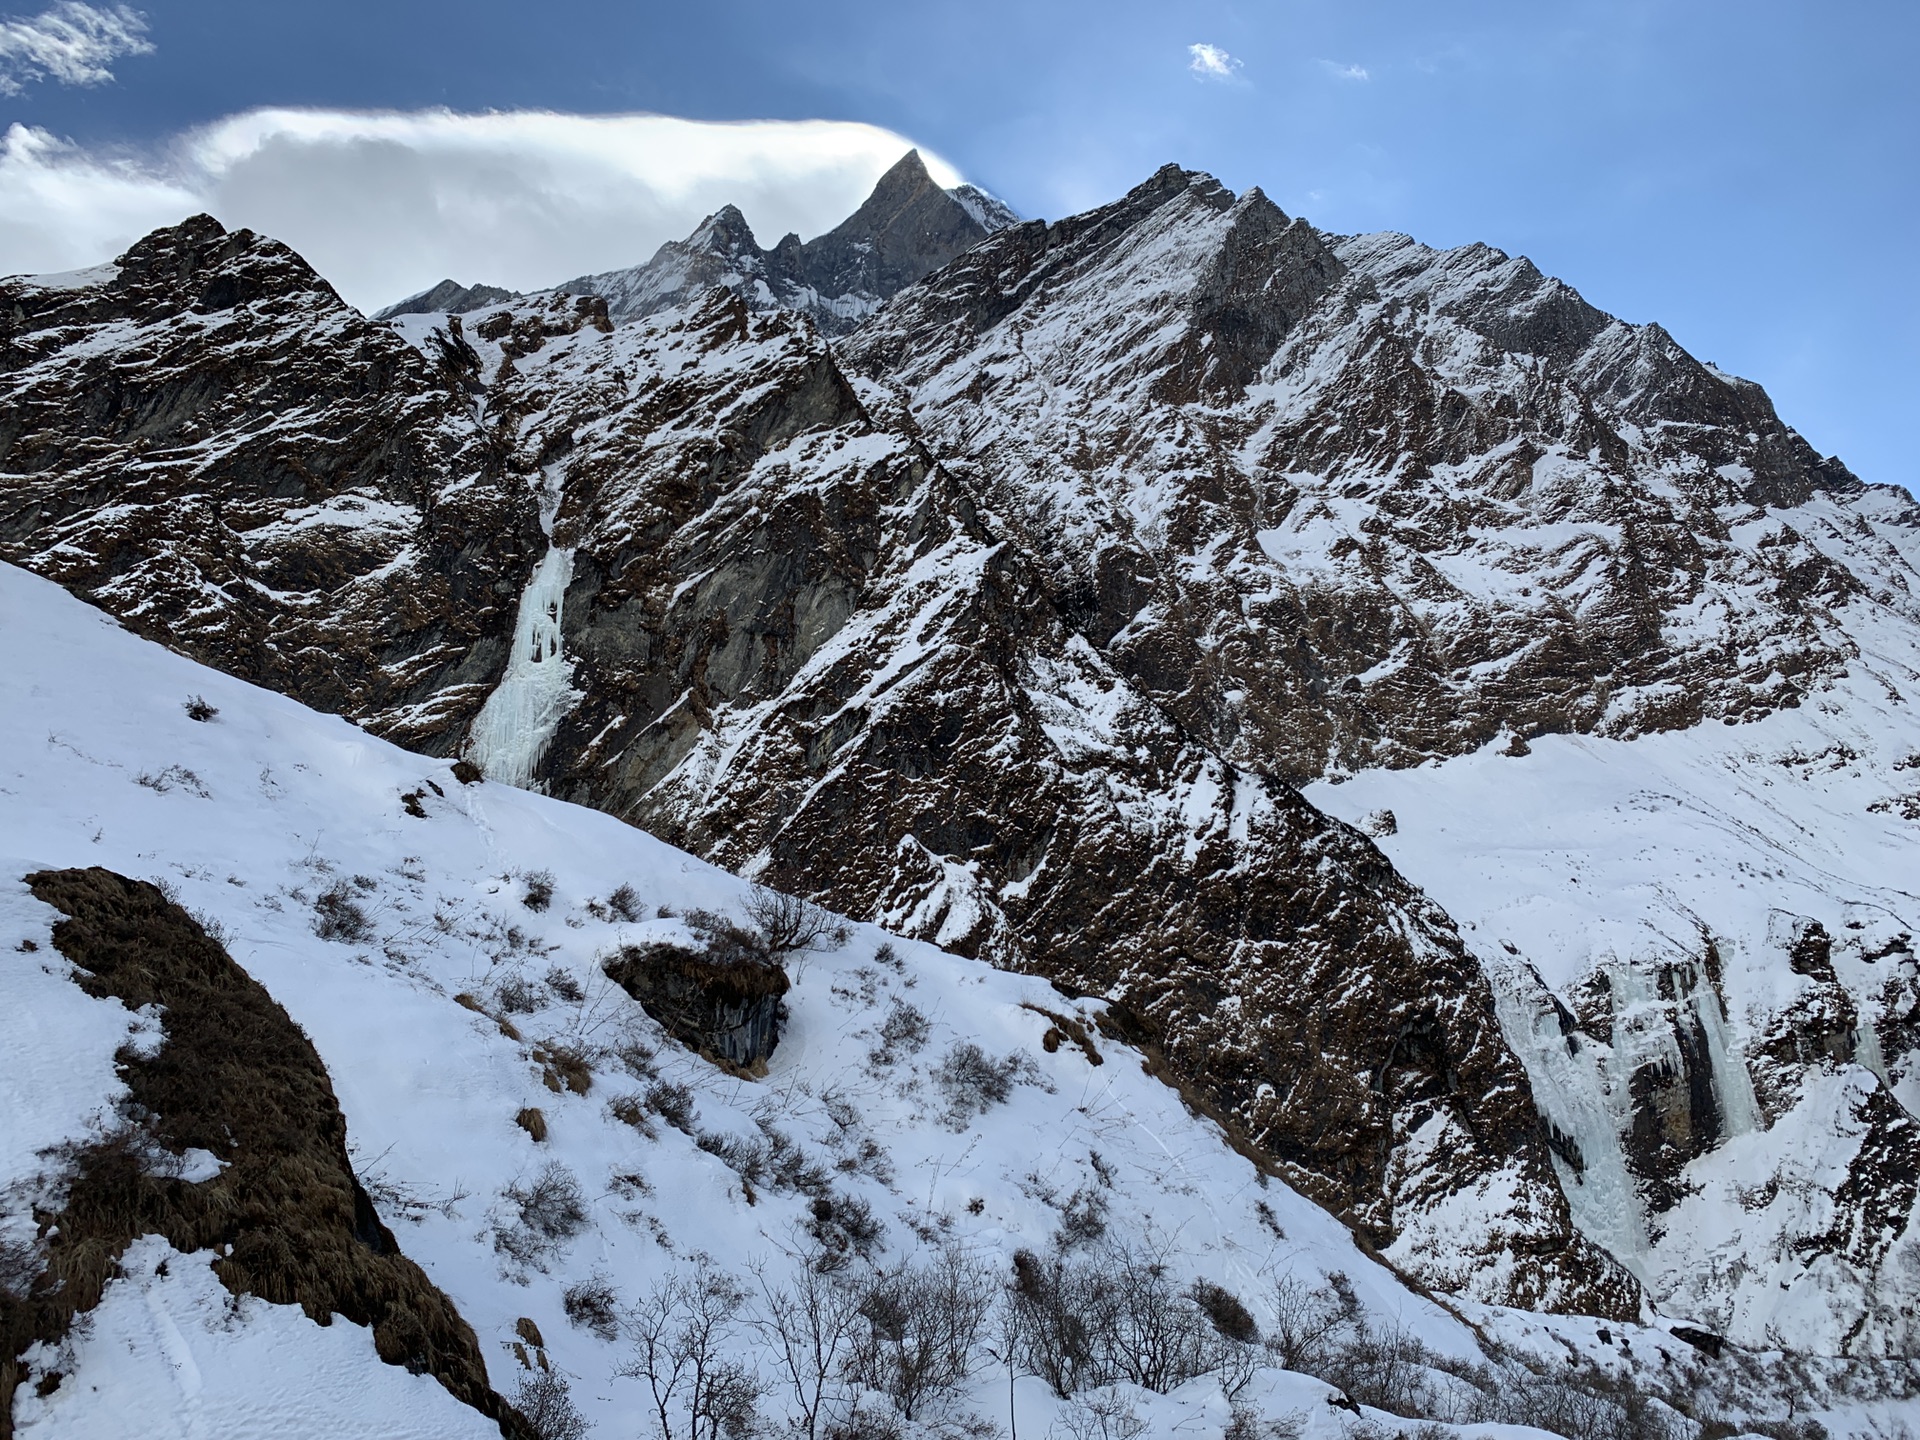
(1746, 173)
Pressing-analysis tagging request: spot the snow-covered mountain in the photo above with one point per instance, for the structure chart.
(906, 228)
(1580, 977)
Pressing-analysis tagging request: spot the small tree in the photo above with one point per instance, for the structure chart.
(790, 924)
(680, 1333)
(809, 1325)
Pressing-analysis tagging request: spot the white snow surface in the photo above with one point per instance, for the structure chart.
(169, 1354)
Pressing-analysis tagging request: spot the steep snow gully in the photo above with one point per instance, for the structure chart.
(1375, 807)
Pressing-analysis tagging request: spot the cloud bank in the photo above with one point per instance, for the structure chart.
(71, 43)
(386, 203)
(1210, 62)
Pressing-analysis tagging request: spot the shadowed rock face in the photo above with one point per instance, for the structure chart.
(907, 228)
(210, 444)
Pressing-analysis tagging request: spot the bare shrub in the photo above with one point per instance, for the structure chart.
(548, 1209)
(673, 1104)
(790, 925)
(536, 892)
(1083, 1219)
(1115, 1316)
(338, 916)
(515, 996)
(1230, 1318)
(680, 1336)
(174, 777)
(625, 904)
(904, 1032)
(1306, 1324)
(592, 1306)
(919, 1326)
(844, 1226)
(198, 707)
(1101, 1415)
(1244, 1424)
(974, 1082)
(566, 985)
(632, 1110)
(546, 1405)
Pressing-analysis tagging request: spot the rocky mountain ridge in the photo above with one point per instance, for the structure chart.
(1006, 620)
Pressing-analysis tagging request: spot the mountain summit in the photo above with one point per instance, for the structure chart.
(908, 227)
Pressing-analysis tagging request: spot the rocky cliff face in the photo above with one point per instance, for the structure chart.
(1009, 620)
(203, 439)
(906, 229)
(1348, 501)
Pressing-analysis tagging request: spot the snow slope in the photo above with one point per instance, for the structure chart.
(250, 815)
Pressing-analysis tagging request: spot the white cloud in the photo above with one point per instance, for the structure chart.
(384, 204)
(1345, 72)
(1210, 62)
(71, 43)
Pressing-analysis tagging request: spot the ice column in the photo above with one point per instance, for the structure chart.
(513, 729)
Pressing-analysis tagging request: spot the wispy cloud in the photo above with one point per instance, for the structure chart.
(1345, 72)
(386, 203)
(71, 43)
(1210, 62)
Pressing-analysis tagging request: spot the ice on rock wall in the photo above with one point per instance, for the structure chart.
(513, 729)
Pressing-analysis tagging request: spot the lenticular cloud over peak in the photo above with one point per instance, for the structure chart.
(385, 203)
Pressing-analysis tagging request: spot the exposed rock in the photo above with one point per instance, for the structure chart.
(1344, 501)
(208, 443)
(726, 1006)
(449, 297)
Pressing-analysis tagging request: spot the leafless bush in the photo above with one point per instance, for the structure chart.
(174, 777)
(1114, 1316)
(536, 891)
(974, 1082)
(904, 1032)
(1100, 1415)
(198, 707)
(215, 927)
(918, 1328)
(844, 1226)
(1229, 1317)
(515, 996)
(593, 1307)
(673, 1104)
(680, 1336)
(548, 1209)
(545, 1404)
(338, 916)
(1083, 1219)
(1244, 1424)
(1306, 1324)
(632, 1110)
(566, 985)
(625, 904)
(790, 924)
